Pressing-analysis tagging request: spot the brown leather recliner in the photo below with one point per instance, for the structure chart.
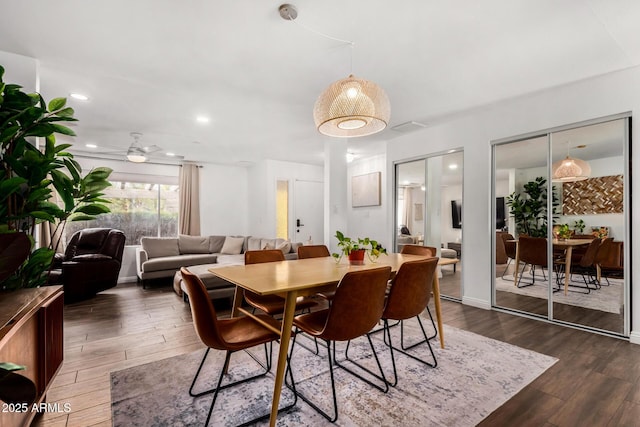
(90, 264)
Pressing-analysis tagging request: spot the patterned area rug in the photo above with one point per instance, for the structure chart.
(607, 298)
(475, 375)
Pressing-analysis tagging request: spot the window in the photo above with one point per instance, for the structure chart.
(138, 209)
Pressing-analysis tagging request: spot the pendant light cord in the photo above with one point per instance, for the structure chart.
(346, 42)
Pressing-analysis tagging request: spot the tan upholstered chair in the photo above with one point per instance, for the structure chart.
(313, 251)
(229, 335)
(355, 309)
(270, 304)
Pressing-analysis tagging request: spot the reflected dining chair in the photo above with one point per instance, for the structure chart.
(509, 249)
(586, 266)
(356, 308)
(533, 252)
(271, 304)
(229, 335)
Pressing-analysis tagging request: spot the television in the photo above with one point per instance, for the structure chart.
(456, 213)
(501, 218)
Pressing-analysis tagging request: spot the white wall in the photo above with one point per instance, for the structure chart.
(262, 193)
(579, 101)
(369, 221)
(224, 198)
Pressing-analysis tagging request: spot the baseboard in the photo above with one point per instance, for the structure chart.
(127, 279)
(634, 337)
(475, 302)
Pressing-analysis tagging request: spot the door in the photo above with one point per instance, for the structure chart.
(308, 219)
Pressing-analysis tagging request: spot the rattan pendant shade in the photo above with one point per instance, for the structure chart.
(352, 107)
(570, 169)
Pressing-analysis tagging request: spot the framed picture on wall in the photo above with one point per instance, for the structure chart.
(365, 190)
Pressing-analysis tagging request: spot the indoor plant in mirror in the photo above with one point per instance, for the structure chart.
(529, 209)
(579, 226)
(29, 176)
(355, 249)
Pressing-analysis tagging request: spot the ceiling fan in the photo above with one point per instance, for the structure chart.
(138, 153)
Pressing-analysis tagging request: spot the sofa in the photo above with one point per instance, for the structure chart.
(160, 257)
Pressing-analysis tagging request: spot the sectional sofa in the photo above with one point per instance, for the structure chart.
(163, 257)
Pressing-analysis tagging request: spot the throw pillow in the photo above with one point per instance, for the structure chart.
(216, 243)
(253, 244)
(285, 247)
(232, 245)
(267, 247)
(193, 244)
(160, 246)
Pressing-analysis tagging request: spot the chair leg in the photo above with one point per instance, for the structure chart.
(380, 376)
(402, 350)
(506, 268)
(520, 278)
(331, 418)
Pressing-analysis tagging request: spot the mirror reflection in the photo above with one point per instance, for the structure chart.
(574, 256)
(429, 212)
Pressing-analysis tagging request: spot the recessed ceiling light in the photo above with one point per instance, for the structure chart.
(453, 166)
(405, 182)
(202, 119)
(170, 154)
(79, 96)
(451, 151)
(91, 145)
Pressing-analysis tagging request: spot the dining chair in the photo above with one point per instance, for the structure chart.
(356, 308)
(603, 256)
(316, 251)
(586, 266)
(428, 251)
(229, 335)
(313, 251)
(533, 252)
(509, 248)
(409, 296)
(271, 304)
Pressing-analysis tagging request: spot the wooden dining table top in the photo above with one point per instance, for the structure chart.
(284, 276)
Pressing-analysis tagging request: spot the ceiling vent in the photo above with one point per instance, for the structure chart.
(409, 127)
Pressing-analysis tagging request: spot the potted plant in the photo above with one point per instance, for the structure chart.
(562, 231)
(29, 176)
(579, 226)
(530, 208)
(355, 249)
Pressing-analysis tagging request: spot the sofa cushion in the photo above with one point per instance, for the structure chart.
(216, 243)
(284, 246)
(160, 246)
(232, 245)
(177, 261)
(193, 244)
(226, 260)
(295, 246)
(254, 244)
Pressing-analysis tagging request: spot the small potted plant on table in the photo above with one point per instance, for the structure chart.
(355, 249)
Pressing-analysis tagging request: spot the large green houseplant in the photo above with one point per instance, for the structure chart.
(529, 209)
(29, 176)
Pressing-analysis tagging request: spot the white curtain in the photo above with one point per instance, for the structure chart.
(189, 214)
(407, 211)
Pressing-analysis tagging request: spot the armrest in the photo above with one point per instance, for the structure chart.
(91, 258)
(141, 258)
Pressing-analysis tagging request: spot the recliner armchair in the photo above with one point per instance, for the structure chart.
(91, 263)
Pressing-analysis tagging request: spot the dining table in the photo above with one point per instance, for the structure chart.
(302, 277)
(567, 245)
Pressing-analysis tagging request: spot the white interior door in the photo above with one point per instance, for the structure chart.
(308, 218)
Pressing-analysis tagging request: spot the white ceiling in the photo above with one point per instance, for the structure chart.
(151, 66)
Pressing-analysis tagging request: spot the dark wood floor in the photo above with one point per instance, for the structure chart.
(596, 381)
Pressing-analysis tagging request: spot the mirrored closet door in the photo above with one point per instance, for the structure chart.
(561, 242)
(428, 211)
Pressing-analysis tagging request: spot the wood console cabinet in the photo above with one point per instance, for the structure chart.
(31, 335)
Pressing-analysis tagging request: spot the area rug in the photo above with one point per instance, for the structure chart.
(607, 298)
(475, 375)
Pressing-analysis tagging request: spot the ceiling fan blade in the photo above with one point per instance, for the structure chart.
(151, 149)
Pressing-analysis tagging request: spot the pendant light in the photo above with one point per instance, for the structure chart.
(570, 169)
(349, 107)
